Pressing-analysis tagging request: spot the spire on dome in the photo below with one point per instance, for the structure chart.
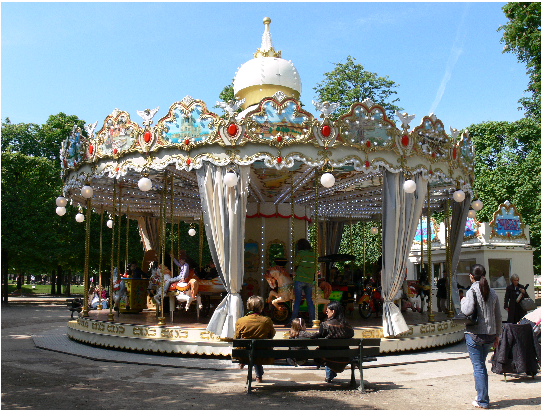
(266, 50)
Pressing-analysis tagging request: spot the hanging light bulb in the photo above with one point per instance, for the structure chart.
(87, 192)
(459, 196)
(80, 218)
(230, 179)
(61, 201)
(60, 210)
(409, 186)
(374, 230)
(192, 231)
(327, 180)
(109, 223)
(145, 184)
(477, 205)
(472, 214)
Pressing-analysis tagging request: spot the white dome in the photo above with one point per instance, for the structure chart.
(267, 71)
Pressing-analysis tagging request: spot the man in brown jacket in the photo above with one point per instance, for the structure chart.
(255, 326)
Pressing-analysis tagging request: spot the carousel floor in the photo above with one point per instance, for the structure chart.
(187, 335)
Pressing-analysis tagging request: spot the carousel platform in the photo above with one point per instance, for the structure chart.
(187, 335)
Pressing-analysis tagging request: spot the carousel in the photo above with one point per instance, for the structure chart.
(253, 180)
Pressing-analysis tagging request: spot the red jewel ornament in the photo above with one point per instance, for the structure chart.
(147, 137)
(433, 154)
(454, 153)
(186, 142)
(117, 169)
(279, 159)
(188, 161)
(279, 138)
(115, 150)
(431, 172)
(65, 163)
(326, 130)
(232, 129)
(368, 143)
(405, 140)
(90, 149)
(367, 164)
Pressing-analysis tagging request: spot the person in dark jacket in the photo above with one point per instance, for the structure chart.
(514, 292)
(335, 327)
(442, 295)
(484, 300)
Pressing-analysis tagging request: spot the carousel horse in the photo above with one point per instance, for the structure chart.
(119, 290)
(155, 282)
(277, 276)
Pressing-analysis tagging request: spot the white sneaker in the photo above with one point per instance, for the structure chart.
(477, 405)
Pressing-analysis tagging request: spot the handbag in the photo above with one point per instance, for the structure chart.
(468, 320)
(527, 304)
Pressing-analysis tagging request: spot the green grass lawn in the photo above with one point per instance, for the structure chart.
(45, 289)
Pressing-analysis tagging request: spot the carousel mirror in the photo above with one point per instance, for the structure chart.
(276, 253)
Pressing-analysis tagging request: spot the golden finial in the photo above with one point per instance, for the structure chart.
(266, 49)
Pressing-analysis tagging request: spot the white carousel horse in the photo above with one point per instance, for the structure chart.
(277, 276)
(119, 290)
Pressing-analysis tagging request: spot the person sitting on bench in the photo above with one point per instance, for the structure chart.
(255, 326)
(335, 327)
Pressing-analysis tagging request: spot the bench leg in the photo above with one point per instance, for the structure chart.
(249, 379)
(361, 386)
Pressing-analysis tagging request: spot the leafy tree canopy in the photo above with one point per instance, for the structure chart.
(349, 82)
(521, 36)
(507, 167)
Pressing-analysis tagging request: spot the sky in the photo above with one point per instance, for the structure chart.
(86, 59)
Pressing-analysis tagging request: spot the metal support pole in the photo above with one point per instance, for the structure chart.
(127, 233)
(99, 307)
(87, 247)
(162, 319)
(120, 224)
(451, 312)
(316, 323)
(431, 317)
(110, 317)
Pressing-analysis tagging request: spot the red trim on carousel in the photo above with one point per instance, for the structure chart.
(279, 215)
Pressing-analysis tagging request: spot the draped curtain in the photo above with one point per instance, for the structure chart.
(224, 213)
(401, 212)
(460, 211)
(148, 230)
(334, 235)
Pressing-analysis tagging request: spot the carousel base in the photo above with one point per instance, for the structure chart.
(188, 336)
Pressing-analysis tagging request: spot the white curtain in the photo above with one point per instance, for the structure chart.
(401, 212)
(460, 211)
(224, 212)
(148, 230)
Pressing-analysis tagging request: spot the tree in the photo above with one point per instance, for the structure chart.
(350, 82)
(507, 167)
(521, 36)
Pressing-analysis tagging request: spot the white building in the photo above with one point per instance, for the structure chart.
(502, 246)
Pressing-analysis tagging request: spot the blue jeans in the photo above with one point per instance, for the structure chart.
(330, 374)
(259, 370)
(298, 288)
(478, 354)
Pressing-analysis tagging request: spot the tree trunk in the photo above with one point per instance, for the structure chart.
(53, 282)
(5, 292)
(59, 279)
(68, 282)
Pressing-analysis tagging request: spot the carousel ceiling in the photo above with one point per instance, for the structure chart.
(286, 147)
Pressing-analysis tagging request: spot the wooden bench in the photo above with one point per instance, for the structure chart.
(360, 350)
(75, 305)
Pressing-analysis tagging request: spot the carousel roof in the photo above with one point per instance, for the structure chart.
(286, 147)
(254, 77)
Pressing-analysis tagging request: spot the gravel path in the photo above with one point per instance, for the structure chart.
(36, 378)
